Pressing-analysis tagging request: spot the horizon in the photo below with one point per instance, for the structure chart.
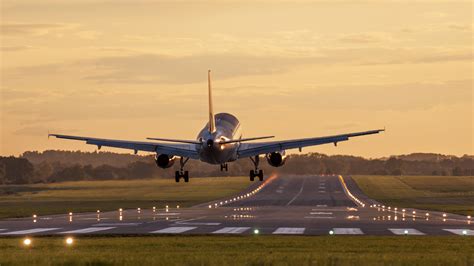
(145, 154)
(136, 69)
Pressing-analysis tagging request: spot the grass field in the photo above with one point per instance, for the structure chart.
(453, 194)
(243, 250)
(41, 199)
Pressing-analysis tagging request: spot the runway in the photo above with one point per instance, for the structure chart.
(281, 205)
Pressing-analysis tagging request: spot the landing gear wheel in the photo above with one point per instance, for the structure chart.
(224, 167)
(177, 176)
(186, 176)
(260, 175)
(252, 175)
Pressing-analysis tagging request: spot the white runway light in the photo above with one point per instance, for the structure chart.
(256, 231)
(27, 242)
(331, 232)
(69, 241)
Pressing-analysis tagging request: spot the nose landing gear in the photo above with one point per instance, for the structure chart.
(224, 166)
(181, 173)
(256, 173)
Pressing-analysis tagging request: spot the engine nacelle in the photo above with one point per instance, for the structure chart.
(276, 159)
(164, 161)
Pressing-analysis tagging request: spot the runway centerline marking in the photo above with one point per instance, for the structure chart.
(30, 231)
(299, 193)
(469, 232)
(317, 213)
(231, 230)
(174, 230)
(347, 231)
(405, 231)
(289, 231)
(87, 230)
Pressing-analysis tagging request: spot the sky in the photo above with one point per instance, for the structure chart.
(131, 69)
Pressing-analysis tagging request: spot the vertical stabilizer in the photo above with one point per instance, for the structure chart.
(212, 120)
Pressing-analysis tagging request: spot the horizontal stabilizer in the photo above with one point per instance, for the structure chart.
(245, 139)
(177, 140)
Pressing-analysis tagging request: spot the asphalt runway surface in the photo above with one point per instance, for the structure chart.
(283, 205)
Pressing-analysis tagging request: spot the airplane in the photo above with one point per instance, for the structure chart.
(218, 143)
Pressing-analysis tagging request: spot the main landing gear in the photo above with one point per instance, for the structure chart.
(256, 173)
(181, 173)
(224, 167)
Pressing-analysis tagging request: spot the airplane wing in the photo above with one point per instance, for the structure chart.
(257, 148)
(182, 150)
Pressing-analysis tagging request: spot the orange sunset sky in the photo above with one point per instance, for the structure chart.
(131, 69)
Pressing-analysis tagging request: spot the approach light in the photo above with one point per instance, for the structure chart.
(331, 232)
(444, 215)
(27, 242)
(210, 206)
(69, 241)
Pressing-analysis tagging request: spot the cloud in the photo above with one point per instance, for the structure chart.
(33, 29)
(152, 68)
(38, 131)
(365, 38)
(460, 27)
(15, 48)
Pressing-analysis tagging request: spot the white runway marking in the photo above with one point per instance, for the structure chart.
(196, 223)
(319, 217)
(231, 230)
(405, 231)
(299, 193)
(289, 231)
(469, 232)
(87, 230)
(348, 231)
(324, 205)
(174, 230)
(30, 231)
(318, 213)
(117, 224)
(3, 229)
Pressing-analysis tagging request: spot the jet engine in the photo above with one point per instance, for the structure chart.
(164, 161)
(276, 159)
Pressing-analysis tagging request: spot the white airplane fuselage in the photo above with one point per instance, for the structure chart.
(227, 127)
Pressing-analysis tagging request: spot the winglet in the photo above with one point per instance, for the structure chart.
(212, 120)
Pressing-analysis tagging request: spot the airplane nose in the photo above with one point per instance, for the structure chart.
(210, 143)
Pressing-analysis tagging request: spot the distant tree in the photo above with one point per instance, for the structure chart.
(17, 170)
(3, 172)
(457, 171)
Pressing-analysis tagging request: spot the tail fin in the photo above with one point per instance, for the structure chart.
(212, 120)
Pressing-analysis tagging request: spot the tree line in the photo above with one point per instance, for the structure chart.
(57, 166)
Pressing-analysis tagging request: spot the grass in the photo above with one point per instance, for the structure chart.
(453, 194)
(82, 196)
(241, 250)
